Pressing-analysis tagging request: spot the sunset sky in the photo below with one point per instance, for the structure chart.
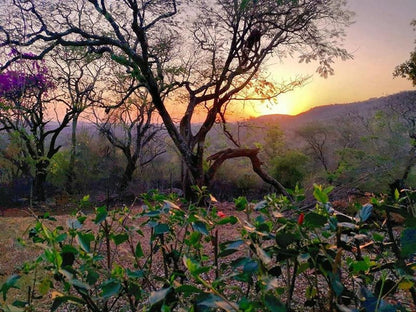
(380, 39)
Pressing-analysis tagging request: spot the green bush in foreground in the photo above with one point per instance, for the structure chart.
(166, 258)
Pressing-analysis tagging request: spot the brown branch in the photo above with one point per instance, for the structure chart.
(252, 154)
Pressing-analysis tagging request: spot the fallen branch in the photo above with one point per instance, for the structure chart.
(252, 154)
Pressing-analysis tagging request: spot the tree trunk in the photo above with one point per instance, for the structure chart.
(127, 175)
(39, 181)
(71, 167)
(190, 180)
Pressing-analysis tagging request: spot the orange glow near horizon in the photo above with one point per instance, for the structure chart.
(283, 106)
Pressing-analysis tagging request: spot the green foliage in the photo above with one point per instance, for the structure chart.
(289, 168)
(163, 257)
(408, 69)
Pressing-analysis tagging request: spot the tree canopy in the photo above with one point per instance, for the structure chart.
(204, 55)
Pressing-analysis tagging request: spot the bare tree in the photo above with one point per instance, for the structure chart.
(81, 76)
(222, 55)
(403, 109)
(316, 137)
(131, 129)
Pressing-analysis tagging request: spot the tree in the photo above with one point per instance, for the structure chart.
(81, 76)
(290, 168)
(209, 61)
(403, 110)
(406, 109)
(24, 114)
(408, 69)
(316, 136)
(129, 128)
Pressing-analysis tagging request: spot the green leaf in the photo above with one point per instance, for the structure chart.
(231, 219)
(251, 267)
(227, 252)
(63, 299)
(19, 304)
(44, 286)
(201, 227)
(234, 244)
(241, 203)
(362, 265)
(10, 283)
(84, 240)
(408, 242)
(153, 213)
(135, 274)
(378, 237)
(92, 277)
(315, 220)
(274, 304)
(285, 239)
(193, 238)
(396, 194)
(110, 288)
(139, 250)
(53, 257)
(320, 194)
(60, 238)
(365, 212)
(119, 238)
(194, 266)
(157, 296)
(161, 228)
(336, 284)
(100, 214)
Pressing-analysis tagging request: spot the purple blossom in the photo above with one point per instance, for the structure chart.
(16, 83)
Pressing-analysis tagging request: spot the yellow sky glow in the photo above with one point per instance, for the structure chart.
(380, 39)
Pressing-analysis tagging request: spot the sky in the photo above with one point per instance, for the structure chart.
(380, 39)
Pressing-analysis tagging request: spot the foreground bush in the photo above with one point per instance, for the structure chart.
(167, 258)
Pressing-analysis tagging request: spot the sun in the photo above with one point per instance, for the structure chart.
(282, 106)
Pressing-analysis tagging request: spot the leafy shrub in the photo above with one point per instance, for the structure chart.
(290, 168)
(164, 257)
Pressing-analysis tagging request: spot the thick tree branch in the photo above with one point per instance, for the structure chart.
(251, 153)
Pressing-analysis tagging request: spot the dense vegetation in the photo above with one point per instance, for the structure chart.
(167, 258)
(371, 151)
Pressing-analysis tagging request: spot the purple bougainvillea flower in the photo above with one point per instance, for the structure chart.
(14, 84)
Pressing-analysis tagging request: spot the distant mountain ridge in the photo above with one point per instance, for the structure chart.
(332, 111)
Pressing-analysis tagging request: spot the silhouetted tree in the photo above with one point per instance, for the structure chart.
(408, 69)
(81, 76)
(209, 51)
(25, 114)
(130, 128)
(316, 136)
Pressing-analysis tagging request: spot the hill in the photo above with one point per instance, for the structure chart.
(334, 111)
